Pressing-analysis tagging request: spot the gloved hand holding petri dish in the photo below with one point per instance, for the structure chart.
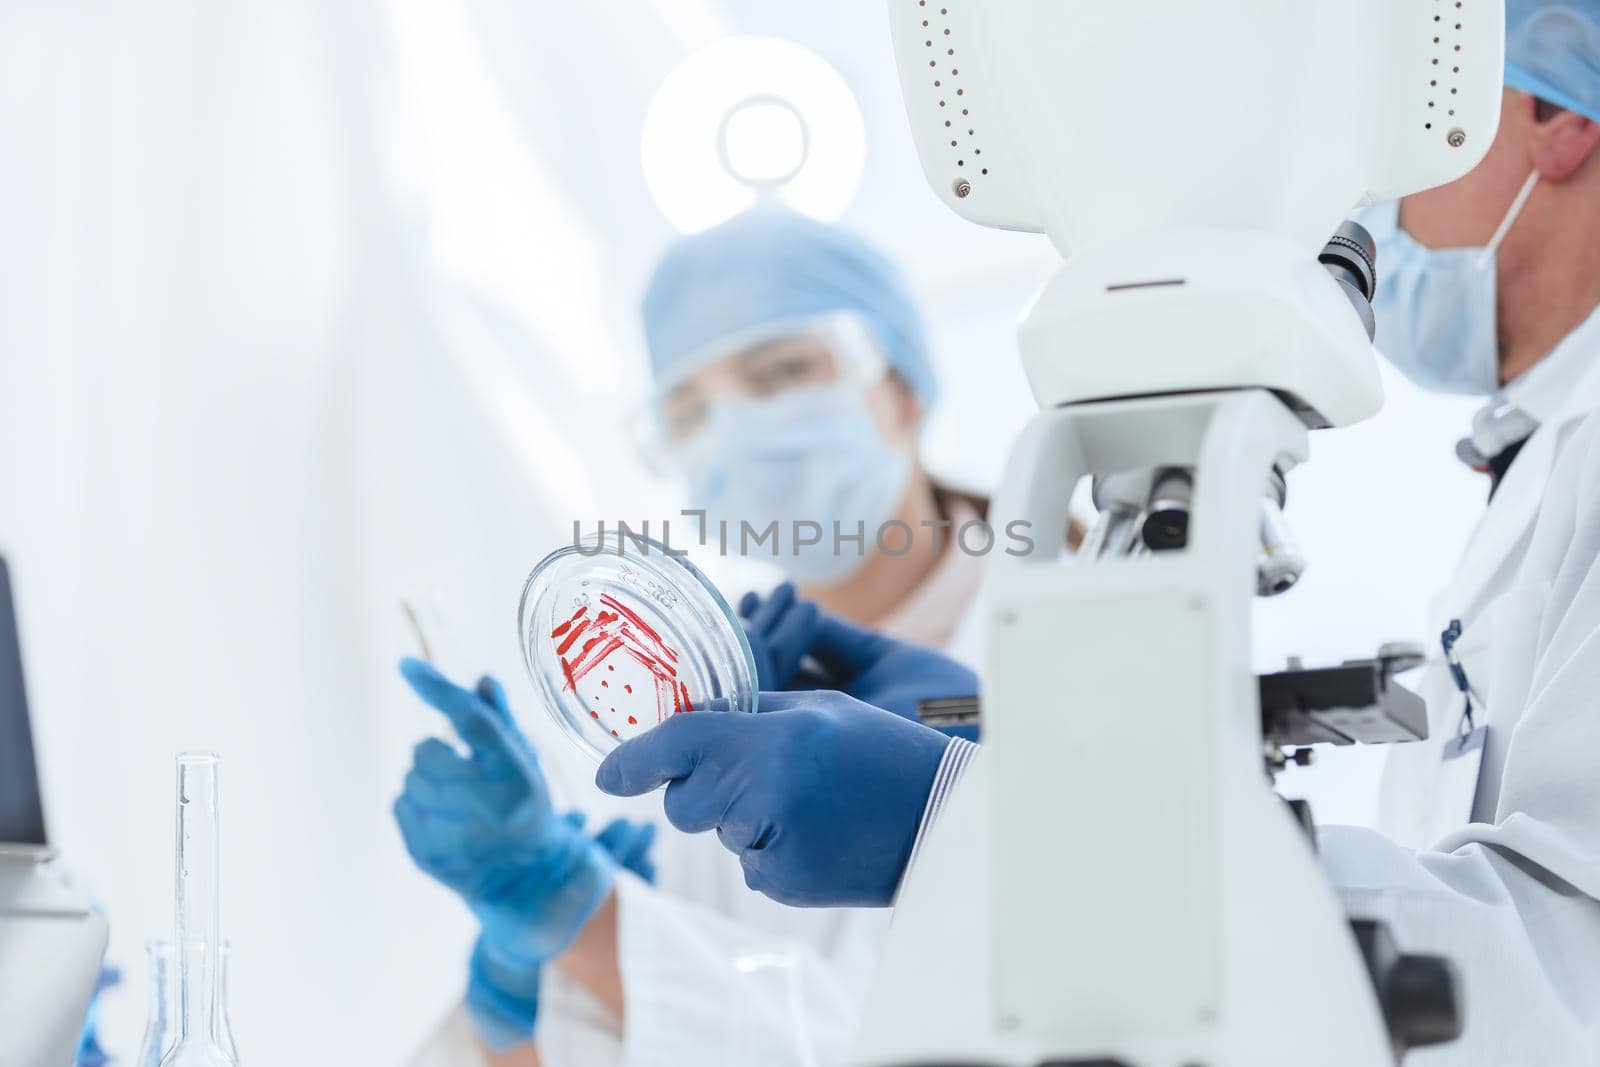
(618, 636)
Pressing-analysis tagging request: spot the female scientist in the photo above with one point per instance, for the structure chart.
(792, 378)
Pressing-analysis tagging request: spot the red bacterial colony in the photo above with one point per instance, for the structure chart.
(584, 642)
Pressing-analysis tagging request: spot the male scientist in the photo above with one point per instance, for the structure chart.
(1490, 286)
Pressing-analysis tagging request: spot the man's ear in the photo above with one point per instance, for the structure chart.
(1561, 142)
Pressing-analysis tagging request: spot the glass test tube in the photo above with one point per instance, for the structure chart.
(198, 915)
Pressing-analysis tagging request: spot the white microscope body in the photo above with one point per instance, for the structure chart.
(1114, 882)
(51, 944)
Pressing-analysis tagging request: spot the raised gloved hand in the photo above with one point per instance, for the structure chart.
(484, 826)
(819, 795)
(885, 672)
(783, 630)
(780, 628)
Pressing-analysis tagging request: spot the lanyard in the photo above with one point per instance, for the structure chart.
(1452, 658)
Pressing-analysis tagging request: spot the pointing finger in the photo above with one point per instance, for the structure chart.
(468, 714)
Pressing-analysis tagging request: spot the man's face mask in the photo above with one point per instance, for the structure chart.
(1436, 307)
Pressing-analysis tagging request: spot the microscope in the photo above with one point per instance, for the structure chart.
(51, 940)
(1115, 883)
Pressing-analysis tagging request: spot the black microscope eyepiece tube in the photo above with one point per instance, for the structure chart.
(1351, 256)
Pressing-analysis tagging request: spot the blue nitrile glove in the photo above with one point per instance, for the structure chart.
(483, 825)
(875, 669)
(504, 1001)
(888, 673)
(627, 843)
(780, 628)
(819, 795)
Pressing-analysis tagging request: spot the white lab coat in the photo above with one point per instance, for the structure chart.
(712, 972)
(1513, 896)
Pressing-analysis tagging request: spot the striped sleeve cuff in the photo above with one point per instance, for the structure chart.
(957, 754)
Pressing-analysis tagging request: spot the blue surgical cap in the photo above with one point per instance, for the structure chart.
(1553, 52)
(769, 268)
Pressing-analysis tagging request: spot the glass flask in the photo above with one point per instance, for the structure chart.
(199, 917)
(160, 1028)
(618, 634)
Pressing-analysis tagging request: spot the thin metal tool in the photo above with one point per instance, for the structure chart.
(416, 629)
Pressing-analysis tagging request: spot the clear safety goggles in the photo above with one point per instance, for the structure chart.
(832, 349)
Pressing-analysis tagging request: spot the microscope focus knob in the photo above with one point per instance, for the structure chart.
(1416, 993)
(1351, 256)
(1421, 1004)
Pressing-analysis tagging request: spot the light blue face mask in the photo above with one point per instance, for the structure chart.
(810, 454)
(1436, 307)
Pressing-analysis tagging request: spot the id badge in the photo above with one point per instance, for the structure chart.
(1456, 790)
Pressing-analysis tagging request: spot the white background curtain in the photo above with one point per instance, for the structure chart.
(308, 307)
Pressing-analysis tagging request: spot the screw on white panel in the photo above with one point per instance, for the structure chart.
(962, 187)
(1456, 137)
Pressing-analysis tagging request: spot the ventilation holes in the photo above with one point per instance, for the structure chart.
(933, 29)
(1441, 43)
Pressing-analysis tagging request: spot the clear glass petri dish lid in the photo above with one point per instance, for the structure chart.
(618, 636)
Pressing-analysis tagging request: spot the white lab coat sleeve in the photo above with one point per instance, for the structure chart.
(952, 767)
(699, 989)
(573, 1030)
(1515, 903)
(452, 1044)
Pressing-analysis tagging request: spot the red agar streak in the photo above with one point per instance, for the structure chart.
(561, 649)
(564, 627)
(586, 663)
(617, 628)
(662, 672)
(611, 602)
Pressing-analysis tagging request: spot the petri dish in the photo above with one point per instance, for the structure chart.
(618, 636)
